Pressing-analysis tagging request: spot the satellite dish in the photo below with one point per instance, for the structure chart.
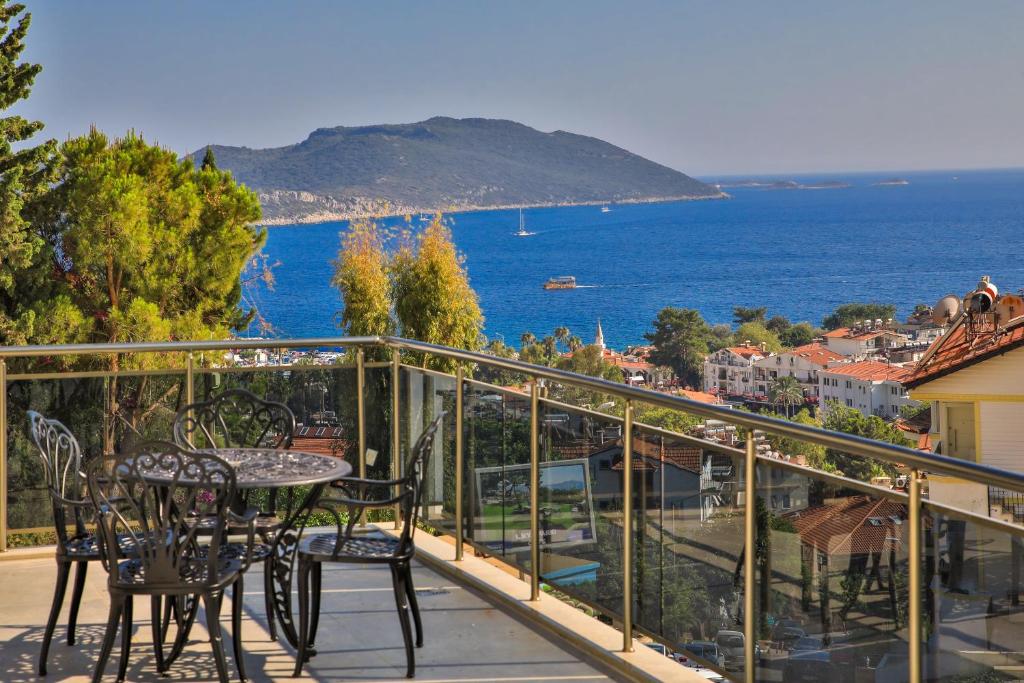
(1009, 306)
(947, 309)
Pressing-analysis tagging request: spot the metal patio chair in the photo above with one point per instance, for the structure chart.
(62, 461)
(342, 546)
(153, 495)
(237, 418)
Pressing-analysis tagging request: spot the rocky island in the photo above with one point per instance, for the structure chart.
(446, 164)
(892, 181)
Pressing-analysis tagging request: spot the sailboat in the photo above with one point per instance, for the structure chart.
(523, 232)
(605, 209)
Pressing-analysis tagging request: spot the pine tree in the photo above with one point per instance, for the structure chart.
(209, 161)
(23, 175)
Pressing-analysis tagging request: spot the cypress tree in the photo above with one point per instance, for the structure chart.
(23, 175)
(209, 161)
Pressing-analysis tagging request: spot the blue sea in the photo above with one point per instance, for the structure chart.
(801, 253)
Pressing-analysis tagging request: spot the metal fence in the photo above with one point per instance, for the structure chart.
(668, 534)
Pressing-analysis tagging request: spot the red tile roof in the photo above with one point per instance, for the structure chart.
(816, 353)
(845, 333)
(953, 350)
(871, 370)
(851, 526)
(748, 352)
(701, 396)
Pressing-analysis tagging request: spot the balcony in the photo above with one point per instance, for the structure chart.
(557, 526)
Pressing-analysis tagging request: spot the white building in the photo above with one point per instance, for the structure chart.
(864, 341)
(730, 371)
(804, 363)
(870, 386)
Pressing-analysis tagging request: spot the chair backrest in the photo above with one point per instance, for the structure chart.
(235, 418)
(155, 495)
(414, 479)
(61, 458)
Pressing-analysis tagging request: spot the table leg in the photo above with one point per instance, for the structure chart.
(283, 552)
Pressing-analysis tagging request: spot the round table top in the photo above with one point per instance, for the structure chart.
(268, 468)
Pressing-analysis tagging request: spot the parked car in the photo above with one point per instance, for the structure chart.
(731, 645)
(810, 664)
(659, 648)
(706, 650)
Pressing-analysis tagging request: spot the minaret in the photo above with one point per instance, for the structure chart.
(599, 339)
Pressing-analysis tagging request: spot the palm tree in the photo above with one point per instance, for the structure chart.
(527, 339)
(562, 334)
(786, 391)
(550, 347)
(575, 343)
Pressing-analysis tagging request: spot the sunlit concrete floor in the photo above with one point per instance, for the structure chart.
(466, 638)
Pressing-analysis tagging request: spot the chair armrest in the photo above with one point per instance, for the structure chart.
(371, 482)
(358, 503)
(247, 518)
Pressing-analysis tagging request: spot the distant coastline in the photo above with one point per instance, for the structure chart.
(315, 218)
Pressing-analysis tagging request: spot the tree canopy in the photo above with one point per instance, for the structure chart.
(680, 339)
(137, 246)
(756, 333)
(742, 314)
(24, 175)
(849, 314)
(415, 284)
(840, 418)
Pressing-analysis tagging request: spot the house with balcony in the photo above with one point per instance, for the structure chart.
(866, 340)
(730, 372)
(870, 386)
(804, 363)
(973, 376)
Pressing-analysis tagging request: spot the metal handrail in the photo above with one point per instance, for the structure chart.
(856, 445)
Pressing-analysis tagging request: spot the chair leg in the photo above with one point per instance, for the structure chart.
(268, 596)
(237, 591)
(314, 617)
(156, 616)
(186, 607)
(303, 633)
(126, 639)
(401, 597)
(410, 591)
(212, 603)
(63, 570)
(76, 599)
(113, 618)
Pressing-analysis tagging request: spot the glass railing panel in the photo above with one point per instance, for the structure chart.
(497, 471)
(688, 546)
(972, 609)
(105, 414)
(581, 504)
(832, 578)
(425, 395)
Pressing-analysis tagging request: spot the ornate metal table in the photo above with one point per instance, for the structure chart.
(264, 468)
(267, 468)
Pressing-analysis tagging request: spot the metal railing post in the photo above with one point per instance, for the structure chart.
(749, 545)
(190, 380)
(915, 588)
(535, 490)
(3, 455)
(459, 379)
(627, 528)
(396, 424)
(361, 409)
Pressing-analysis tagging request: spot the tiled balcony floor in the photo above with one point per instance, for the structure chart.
(466, 638)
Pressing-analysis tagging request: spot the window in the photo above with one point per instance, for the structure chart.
(848, 384)
(849, 403)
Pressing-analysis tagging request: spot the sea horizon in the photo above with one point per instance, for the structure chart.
(801, 253)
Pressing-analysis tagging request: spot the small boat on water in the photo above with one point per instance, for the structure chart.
(561, 282)
(605, 209)
(523, 232)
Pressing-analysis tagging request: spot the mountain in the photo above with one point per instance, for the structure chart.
(445, 164)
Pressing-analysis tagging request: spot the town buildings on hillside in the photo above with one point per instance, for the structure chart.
(867, 339)
(804, 363)
(870, 386)
(730, 371)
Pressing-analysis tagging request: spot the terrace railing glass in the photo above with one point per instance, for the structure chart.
(753, 565)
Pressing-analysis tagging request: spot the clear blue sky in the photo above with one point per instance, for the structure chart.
(708, 88)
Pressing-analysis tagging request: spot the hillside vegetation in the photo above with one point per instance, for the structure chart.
(446, 164)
